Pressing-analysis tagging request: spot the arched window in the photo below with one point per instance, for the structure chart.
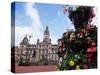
(41, 51)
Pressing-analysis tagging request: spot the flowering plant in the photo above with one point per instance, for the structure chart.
(78, 49)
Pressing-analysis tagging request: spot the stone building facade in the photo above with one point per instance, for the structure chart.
(39, 51)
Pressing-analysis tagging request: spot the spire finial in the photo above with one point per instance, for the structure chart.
(46, 28)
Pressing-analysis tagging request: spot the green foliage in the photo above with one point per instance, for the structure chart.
(23, 62)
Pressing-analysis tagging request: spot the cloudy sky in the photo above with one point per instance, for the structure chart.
(32, 19)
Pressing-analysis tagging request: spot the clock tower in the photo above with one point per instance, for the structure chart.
(46, 37)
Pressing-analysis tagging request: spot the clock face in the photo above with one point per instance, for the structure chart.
(46, 36)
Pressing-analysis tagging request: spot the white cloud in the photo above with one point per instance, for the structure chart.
(34, 28)
(32, 12)
(54, 39)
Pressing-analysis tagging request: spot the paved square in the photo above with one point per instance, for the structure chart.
(26, 69)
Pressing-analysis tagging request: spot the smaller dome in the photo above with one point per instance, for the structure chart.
(24, 41)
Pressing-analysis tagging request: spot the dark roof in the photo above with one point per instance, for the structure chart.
(24, 41)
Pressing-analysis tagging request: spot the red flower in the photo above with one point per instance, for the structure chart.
(88, 55)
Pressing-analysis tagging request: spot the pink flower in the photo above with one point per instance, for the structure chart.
(93, 44)
(85, 66)
(92, 49)
(89, 59)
